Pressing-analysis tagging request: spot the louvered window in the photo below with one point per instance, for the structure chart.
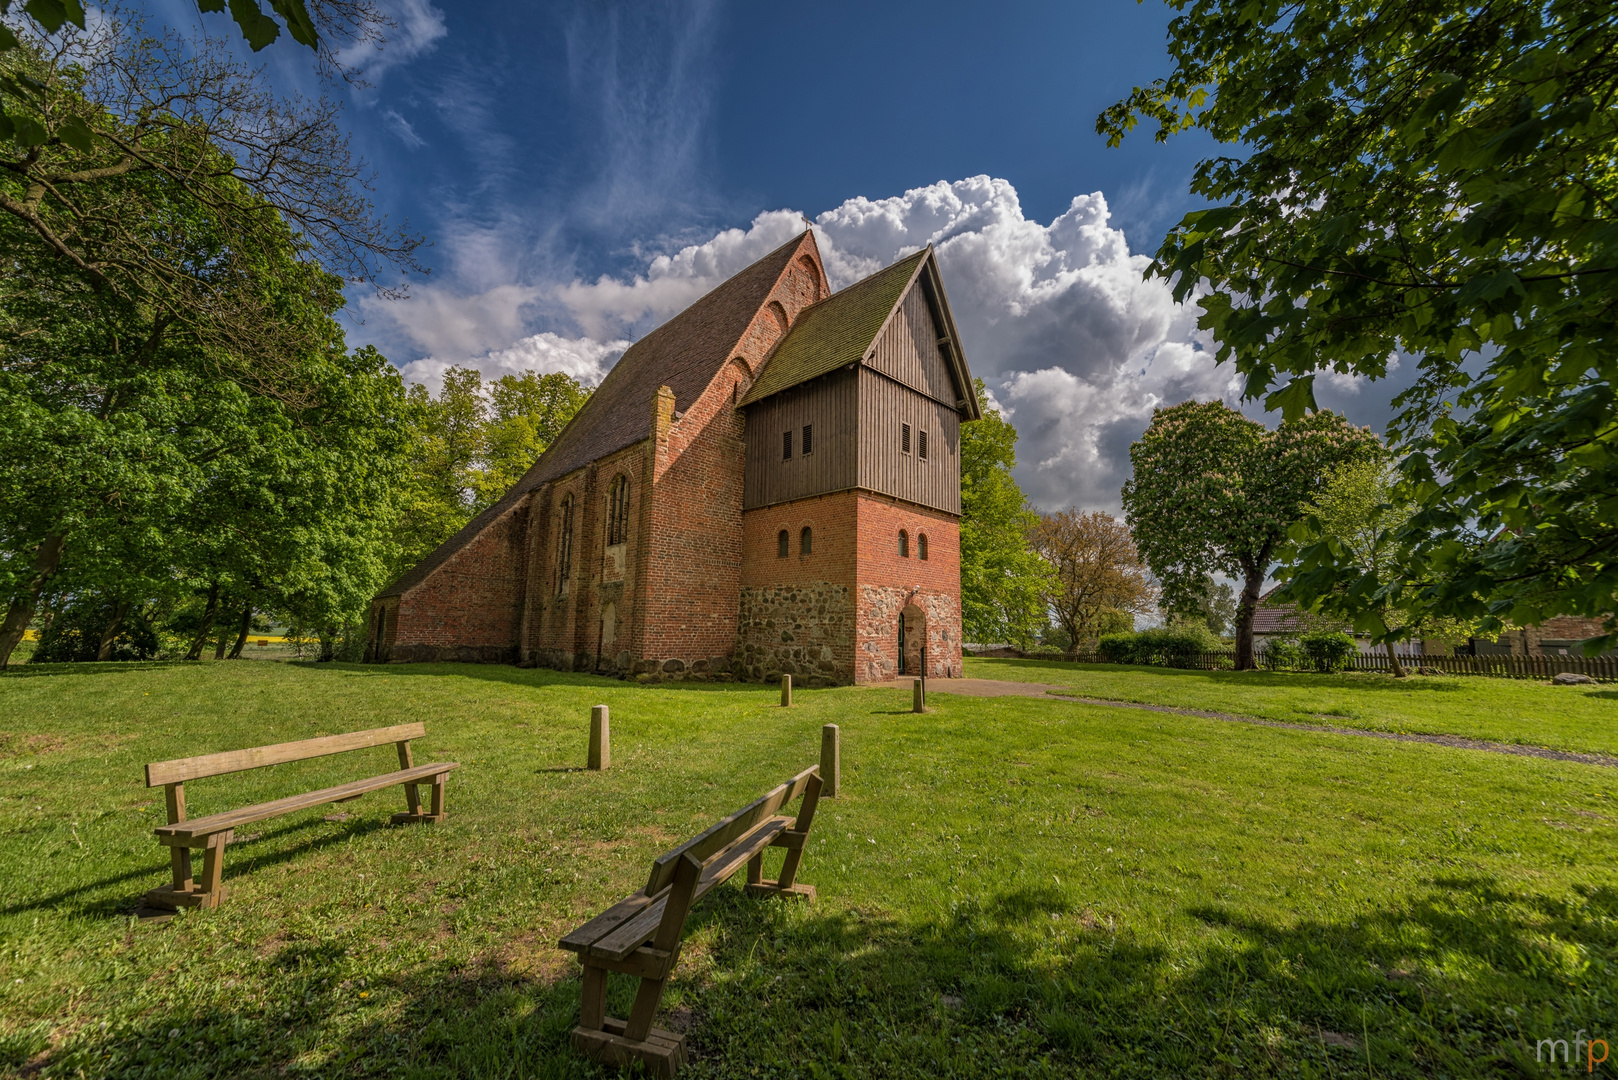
(921, 445)
(807, 447)
(786, 446)
(904, 438)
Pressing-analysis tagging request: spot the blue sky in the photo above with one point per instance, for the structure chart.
(585, 170)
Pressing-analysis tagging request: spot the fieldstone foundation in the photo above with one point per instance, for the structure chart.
(806, 631)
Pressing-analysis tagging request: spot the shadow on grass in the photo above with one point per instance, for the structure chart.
(111, 667)
(1364, 681)
(1458, 980)
(241, 858)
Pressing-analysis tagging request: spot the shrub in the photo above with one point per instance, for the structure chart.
(1166, 646)
(73, 634)
(1328, 650)
(1116, 648)
(1283, 652)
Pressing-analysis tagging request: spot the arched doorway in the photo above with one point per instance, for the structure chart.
(912, 636)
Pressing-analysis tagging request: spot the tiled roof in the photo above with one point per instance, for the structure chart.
(1273, 617)
(836, 331)
(683, 354)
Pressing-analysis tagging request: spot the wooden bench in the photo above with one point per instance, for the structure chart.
(640, 934)
(213, 832)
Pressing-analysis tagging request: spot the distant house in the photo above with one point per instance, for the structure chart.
(1560, 636)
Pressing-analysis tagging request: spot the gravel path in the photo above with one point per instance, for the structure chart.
(1006, 688)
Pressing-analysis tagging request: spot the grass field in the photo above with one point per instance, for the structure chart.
(1008, 887)
(1581, 718)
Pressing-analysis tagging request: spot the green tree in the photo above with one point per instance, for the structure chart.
(1356, 520)
(468, 446)
(1214, 492)
(1214, 603)
(1095, 572)
(1435, 181)
(1002, 580)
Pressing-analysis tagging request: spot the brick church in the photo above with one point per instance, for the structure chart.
(768, 483)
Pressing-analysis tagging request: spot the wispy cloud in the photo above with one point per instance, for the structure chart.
(401, 127)
(418, 26)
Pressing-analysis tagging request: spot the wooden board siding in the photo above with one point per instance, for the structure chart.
(884, 405)
(908, 349)
(830, 404)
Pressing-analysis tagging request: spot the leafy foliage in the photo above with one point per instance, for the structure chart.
(1437, 181)
(1328, 650)
(470, 444)
(1214, 492)
(1002, 580)
(1164, 646)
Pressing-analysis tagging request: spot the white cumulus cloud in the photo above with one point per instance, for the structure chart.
(1075, 346)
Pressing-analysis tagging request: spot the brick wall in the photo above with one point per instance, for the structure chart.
(797, 613)
(890, 584)
(469, 608)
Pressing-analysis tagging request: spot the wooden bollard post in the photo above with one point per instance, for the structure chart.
(831, 761)
(600, 739)
(786, 691)
(918, 700)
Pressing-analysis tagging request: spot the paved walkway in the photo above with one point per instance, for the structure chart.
(1006, 688)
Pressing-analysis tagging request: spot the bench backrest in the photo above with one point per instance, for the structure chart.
(705, 845)
(182, 769)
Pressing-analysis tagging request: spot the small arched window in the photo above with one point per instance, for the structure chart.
(618, 511)
(806, 541)
(904, 544)
(564, 545)
(921, 546)
(783, 545)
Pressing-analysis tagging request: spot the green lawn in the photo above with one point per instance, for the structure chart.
(1581, 718)
(1008, 887)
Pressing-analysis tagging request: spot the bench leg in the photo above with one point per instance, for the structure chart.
(755, 869)
(435, 811)
(593, 1007)
(186, 892)
(607, 1039)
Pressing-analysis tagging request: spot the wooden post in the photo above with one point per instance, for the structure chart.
(600, 739)
(918, 700)
(786, 691)
(831, 760)
(924, 673)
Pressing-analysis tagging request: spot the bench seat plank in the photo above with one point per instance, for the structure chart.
(246, 815)
(635, 929)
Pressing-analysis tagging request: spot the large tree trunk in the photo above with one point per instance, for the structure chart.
(1393, 662)
(209, 614)
(1245, 611)
(246, 628)
(47, 557)
(110, 634)
(328, 644)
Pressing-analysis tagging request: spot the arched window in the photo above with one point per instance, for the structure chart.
(783, 545)
(921, 545)
(564, 546)
(618, 511)
(806, 541)
(904, 544)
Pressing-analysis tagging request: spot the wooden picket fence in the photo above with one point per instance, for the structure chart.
(1603, 668)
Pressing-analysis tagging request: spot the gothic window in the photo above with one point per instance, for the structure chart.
(904, 438)
(921, 546)
(904, 544)
(806, 541)
(786, 446)
(783, 545)
(921, 445)
(564, 546)
(806, 447)
(618, 511)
